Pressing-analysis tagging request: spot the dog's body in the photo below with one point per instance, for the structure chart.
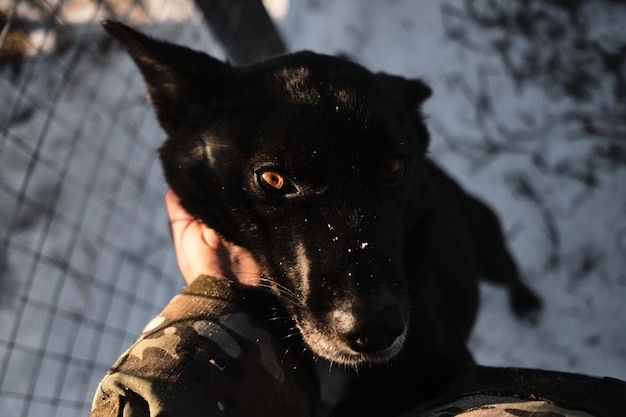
(318, 167)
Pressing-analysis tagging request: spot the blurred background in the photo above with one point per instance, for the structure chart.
(528, 112)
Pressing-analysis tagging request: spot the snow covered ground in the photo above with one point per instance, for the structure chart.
(85, 257)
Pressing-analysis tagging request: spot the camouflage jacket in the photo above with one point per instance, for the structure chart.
(204, 355)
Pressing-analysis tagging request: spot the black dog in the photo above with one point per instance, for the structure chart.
(318, 167)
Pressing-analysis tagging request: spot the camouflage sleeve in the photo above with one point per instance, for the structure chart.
(205, 356)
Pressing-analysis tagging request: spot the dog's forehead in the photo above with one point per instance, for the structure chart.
(316, 105)
(305, 85)
(318, 79)
(329, 108)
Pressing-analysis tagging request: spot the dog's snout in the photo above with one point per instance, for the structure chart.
(372, 331)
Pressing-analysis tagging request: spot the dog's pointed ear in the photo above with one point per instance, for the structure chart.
(175, 76)
(414, 92)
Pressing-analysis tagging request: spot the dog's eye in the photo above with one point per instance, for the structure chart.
(393, 169)
(271, 180)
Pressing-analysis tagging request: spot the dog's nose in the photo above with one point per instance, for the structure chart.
(373, 331)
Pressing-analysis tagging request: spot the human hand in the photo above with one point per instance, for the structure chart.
(202, 251)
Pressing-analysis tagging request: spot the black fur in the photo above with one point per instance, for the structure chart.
(370, 247)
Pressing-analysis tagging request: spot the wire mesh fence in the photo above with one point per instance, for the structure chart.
(85, 254)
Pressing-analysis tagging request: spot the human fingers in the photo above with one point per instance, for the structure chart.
(192, 253)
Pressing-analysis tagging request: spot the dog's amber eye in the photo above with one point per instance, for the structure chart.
(272, 180)
(393, 169)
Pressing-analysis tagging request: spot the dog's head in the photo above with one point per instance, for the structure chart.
(313, 164)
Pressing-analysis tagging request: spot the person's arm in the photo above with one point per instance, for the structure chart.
(206, 354)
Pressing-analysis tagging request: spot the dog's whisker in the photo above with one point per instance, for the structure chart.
(245, 274)
(243, 255)
(303, 353)
(278, 319)
(285, 292)
(330, 366)
(282, 288)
